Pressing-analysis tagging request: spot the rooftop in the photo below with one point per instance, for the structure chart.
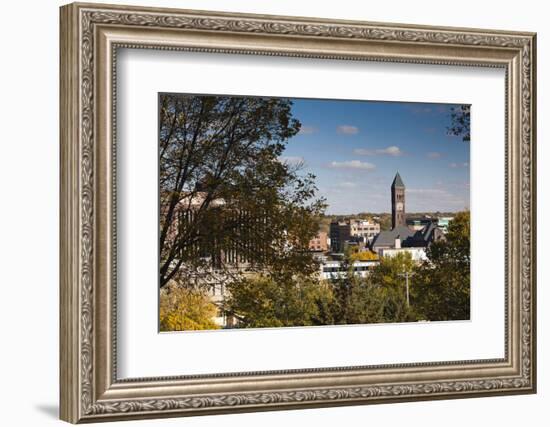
(408, 237)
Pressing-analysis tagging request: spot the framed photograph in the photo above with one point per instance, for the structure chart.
(266, 212)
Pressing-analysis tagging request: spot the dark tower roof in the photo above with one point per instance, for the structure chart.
(397, 182)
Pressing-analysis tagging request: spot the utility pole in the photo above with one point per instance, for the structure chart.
(406, 275)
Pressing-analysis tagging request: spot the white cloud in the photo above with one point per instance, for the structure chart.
(347, 129)
(433, 155)
(392, 150)
(291, 160)
(352, 164)
(307, 130)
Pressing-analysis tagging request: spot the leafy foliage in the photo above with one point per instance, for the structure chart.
(388, 277)
(356, 300)
(185, 309)
(224, 192)
(220, 171)
(279, 300)
(439, 290)
(442, 285)
(460, 122)
(283, 300)
(366, 255)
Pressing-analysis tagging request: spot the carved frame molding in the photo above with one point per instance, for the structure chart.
(90, 36)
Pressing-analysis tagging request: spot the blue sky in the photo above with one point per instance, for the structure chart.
(355, 148)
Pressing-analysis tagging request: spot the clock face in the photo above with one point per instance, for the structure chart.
(399, 206)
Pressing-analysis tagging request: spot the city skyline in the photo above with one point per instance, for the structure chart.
(354, 148)
(242, 239)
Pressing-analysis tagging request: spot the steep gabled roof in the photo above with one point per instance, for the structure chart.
(397, 181)
(387, 238)
(409, 238)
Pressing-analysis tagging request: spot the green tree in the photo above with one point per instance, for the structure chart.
(358, 300)
(377, 298)
(368, 303)
(342, 285)
(224, 189)
(183, 309)
(388, 275)
(279, 300)
(442, 285)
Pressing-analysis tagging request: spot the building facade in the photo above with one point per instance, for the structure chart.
(340, 233)
(364, 228)
(319, 243)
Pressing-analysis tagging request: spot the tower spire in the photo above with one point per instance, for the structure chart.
(398, 202)
(397, 181)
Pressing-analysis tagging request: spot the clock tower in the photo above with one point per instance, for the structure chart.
(398, 202)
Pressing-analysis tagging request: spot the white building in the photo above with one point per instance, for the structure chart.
(335, 269)
(417, 254)
(364, 228)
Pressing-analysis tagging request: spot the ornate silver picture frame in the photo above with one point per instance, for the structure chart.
(91, 391)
